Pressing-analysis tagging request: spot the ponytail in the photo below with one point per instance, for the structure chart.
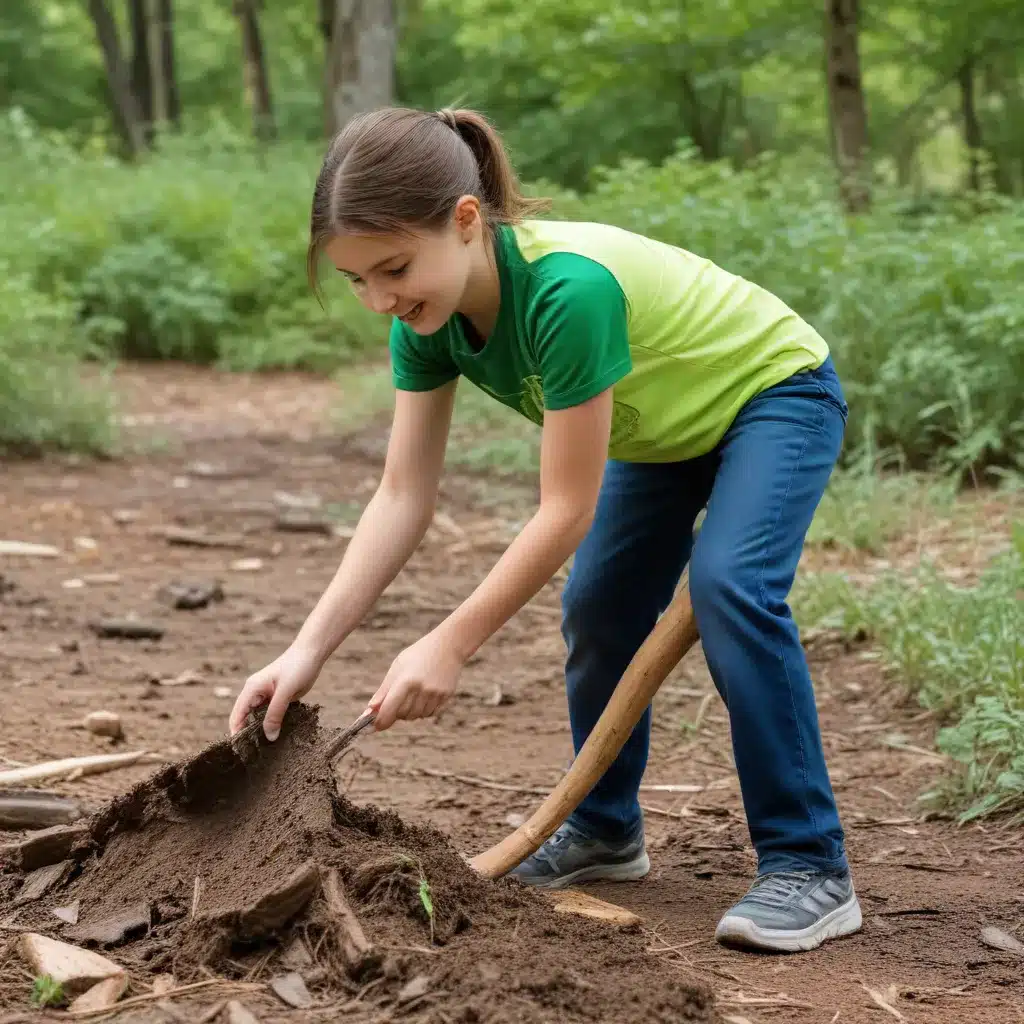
(394, 169)
(498, 182)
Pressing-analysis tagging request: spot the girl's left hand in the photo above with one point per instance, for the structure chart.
(420, 681)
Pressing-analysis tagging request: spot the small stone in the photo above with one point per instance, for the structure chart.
(223, 692)
(515, 819)
(247, 564)
(499, 698)
(189, 596)
(75, 969)
(415, 989)
(291, 989)
(73, 584)
(104, 723)
(123, 516)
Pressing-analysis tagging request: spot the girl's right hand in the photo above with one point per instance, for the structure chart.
(285, 679)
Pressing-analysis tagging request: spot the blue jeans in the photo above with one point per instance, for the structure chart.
(760, 486)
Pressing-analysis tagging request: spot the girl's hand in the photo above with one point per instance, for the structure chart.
(285, 679)
(420, 681)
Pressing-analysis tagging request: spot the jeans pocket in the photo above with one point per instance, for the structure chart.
(826, 378)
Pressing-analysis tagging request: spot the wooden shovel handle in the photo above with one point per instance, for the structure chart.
(673, 635)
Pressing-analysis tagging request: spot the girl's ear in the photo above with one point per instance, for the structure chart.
(468, 218)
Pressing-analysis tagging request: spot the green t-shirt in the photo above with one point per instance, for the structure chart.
(584, 307)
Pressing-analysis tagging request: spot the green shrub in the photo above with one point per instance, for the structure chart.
(43, 403)
(198, 253)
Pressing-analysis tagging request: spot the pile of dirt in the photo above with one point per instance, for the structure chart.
(246, 858)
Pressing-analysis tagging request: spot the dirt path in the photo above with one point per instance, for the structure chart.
(927, 887)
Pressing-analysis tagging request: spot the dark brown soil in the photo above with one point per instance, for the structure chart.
(927, 886)
(232, 823)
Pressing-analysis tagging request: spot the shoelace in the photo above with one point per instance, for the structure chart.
(777, 888)
(556, 842)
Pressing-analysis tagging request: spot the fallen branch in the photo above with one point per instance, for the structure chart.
(93, 764)
(45, 847)
(36, 810)
(356, 950)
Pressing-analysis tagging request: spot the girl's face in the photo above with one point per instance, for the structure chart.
(421, 277)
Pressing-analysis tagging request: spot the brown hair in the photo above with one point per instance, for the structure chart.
(396, 168)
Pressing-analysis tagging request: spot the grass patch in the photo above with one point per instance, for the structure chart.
(960, 650)
(864, 509)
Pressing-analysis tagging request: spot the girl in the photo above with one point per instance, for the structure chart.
(663, 386)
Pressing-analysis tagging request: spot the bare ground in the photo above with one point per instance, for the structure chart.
(232, 445)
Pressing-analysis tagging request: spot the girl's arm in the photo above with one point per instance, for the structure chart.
(574, 449)
(393, 522)
(390, 528)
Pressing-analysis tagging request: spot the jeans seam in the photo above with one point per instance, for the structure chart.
(764, 601)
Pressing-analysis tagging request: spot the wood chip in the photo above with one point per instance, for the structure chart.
(127, 629)
(76, 969)
(247, 564)
(32, 809)
(126, 924)
(415, 989)
(573, 901)
(199, 539)
(42, 880)
(68, 913)
(356, 949)
(291, 989)
(47, 846)
(101, 996)
(27, 549)
(996, 938)
(239, 1014)
(277, 907)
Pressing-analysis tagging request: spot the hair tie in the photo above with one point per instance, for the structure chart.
(447, 116)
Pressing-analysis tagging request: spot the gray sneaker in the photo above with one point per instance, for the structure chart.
(789, 911)
(569, 856)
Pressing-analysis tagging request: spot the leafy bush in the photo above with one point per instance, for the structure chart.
(42, 401)
(198, 253)
(961, 651)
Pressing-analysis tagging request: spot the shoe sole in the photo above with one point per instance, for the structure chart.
(741, 931)
(627, 871)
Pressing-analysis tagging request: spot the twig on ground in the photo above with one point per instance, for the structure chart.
(149, 997)
(880, 1001)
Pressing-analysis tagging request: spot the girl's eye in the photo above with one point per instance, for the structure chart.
(397, 271)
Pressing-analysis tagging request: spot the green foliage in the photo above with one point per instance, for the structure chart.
(918, 302)
(960, 650)
(47, 991)
(42, 401)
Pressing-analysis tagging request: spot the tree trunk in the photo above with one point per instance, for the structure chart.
(972, 127)
(360, 65)
(163, 18)
(141, 76)
(847, 109)
(123, 102)
(257, 82)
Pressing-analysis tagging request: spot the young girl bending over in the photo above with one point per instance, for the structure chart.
(663, 385)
